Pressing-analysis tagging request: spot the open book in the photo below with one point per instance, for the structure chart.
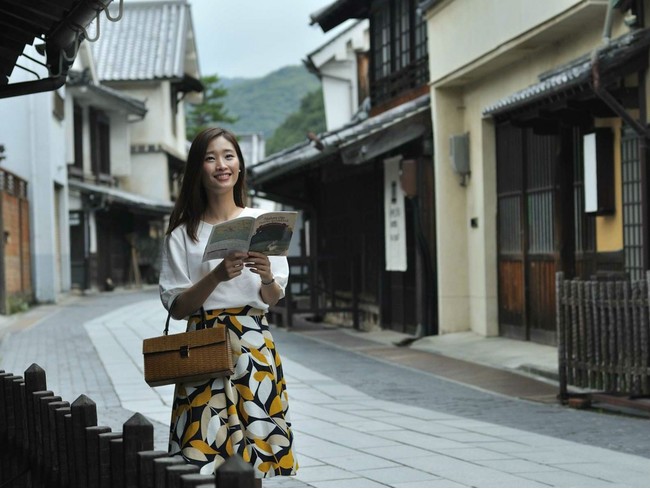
(269, 233)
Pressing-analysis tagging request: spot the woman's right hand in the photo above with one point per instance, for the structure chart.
(230, 267)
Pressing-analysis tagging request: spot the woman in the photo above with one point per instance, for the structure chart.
(246, 413)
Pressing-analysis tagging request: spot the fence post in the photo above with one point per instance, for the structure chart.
(103, 441)
(145, 466)
(21, 446)
(43, 408)
(4, 447)
(175, 472)
(197, 480)
(561, 345)
(235, 472)
(160, 469)
(138, 437)
(62, 440)
(35, 381)
(84, 414)
(92, 453)
(55, 439)
(116, 449)
(7, 398)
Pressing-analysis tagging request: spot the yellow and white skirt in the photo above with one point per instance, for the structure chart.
(246, 413)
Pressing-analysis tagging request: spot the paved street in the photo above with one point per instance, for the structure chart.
(365, 414)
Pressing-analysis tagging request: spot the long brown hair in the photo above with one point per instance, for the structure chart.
(192, 198)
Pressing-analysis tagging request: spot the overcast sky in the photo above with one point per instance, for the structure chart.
(251, 38)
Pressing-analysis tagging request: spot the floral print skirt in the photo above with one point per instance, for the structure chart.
(246, 413)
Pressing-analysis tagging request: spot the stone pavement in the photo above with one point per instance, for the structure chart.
(344, 437)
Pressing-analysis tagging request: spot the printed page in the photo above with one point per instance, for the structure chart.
(272, 233)
(227, 237)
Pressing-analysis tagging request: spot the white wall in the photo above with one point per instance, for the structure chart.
(337, 62)
(35, 151)
(149, 176)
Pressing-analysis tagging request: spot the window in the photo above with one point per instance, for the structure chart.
(399, 49)
(100, 144)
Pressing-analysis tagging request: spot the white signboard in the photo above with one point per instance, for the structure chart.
(590, 172)
(394, 217)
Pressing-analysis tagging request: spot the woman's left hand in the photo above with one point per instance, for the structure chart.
(259, 263)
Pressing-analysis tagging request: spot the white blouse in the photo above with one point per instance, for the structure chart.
(182, 266)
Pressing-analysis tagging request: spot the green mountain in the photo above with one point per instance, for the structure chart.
(263, 104)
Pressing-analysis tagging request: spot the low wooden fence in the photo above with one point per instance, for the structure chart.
(48, 442)
(315, 287)
(603, 335)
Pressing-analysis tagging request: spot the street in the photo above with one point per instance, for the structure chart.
(360, 421)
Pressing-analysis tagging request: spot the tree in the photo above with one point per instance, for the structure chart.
(309, 118)
(211, 111)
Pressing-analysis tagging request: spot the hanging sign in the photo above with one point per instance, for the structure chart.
(394, 217)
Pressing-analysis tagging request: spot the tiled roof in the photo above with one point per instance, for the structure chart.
(575, 73)
(336, 140)
(119, 196)
(114, 97)
(149, 42)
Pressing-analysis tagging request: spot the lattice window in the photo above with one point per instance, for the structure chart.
(632, 222)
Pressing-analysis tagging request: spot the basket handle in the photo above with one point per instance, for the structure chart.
(169, 314)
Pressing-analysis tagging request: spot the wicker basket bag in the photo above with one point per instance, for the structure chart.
(187, 357)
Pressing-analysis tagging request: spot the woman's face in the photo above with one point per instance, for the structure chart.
(220, 169)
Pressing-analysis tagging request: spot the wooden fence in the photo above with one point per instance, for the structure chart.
(603, 336)
(319, 285)
(48, 442)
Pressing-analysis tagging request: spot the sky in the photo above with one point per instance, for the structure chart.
(251, 38)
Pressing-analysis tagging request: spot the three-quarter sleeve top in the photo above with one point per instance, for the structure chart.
(182, 266)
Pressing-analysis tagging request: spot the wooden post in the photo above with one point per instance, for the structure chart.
(116, 448)
(44, 422)
(10, 419)
(84, 414)
(145, 466)
(175, 472)
(92, 453)
(35, 381)
(62, 446)
(103, 441)
(70, 449)
(197, 480)
(235, 472)
(21, 462)
(138, 436)
(160, 469)
(37, 452)
(561, 337)
(55, 440)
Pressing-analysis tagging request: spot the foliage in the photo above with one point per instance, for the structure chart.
(209, 113)
(262, 104)
(309, 118)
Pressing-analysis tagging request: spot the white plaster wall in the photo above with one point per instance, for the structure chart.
(467, 257)
(459, 33)
(339, 97)
(149, 176)
(35, 151)
(156, 127)
(337, 63)
(120, 144)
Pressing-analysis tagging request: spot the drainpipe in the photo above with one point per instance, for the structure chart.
(604, 95)
(34, 86)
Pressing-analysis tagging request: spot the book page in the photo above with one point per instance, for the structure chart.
(272, 233)
(227, 237)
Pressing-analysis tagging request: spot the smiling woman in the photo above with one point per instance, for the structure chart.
(248, 412)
